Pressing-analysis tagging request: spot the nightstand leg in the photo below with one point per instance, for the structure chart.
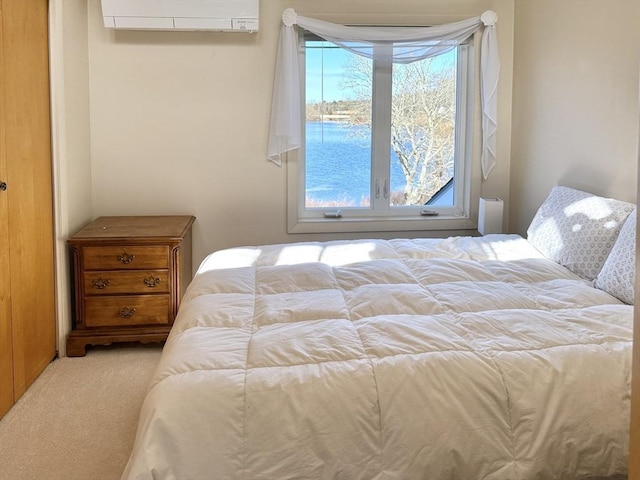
(76, 347)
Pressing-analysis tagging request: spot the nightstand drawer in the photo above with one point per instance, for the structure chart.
(134, 257)
(127, 310)
(133, 281)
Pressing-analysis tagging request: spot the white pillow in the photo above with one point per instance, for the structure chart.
(577, 229)
(618, 274)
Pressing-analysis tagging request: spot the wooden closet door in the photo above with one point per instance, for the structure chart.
(26, 153)
(6, 342)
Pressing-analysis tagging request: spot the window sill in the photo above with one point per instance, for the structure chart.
(368, 224)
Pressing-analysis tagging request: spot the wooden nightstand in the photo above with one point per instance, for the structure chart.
(129, 276)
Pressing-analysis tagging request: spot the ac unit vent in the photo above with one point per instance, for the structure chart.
(180, 15)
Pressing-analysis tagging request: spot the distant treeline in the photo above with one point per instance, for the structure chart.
(352, 111)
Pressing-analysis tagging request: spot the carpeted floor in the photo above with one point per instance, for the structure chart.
(78, 420)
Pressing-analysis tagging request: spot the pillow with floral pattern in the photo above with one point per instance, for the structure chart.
(577, 229)
(618, 274)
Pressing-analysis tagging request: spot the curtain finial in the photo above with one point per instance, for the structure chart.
(289, 17)
(489, 18)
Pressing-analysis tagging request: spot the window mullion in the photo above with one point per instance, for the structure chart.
(381, 128)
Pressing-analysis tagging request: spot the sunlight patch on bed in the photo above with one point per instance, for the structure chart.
(347, 253)
(297, 254)
(231, 258)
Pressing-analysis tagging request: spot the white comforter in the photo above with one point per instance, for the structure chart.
(461, 358)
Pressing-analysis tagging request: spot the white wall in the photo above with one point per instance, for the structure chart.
(69, 66)
(179, 119)
(575, 104)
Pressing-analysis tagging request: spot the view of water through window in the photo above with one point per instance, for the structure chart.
(338, 165)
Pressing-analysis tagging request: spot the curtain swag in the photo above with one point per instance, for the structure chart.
(409, 45)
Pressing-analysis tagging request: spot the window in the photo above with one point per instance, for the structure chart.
(386, 145)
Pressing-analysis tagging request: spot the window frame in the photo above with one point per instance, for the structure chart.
(394, 218)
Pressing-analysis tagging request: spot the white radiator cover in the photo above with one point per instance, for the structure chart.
(180, 15)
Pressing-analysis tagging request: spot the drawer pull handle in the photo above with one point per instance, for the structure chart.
(101, 283)
(126, 312)
(125, 258)
(152, 281)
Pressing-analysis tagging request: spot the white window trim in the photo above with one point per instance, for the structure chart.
(301, 220)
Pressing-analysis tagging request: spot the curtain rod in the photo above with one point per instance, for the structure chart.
(290, 17)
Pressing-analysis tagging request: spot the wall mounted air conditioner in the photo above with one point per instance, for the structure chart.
(214, 15)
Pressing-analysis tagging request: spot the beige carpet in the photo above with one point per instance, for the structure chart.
(78, 420)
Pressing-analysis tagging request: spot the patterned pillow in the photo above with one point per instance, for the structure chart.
(577, 229)
(618, 273)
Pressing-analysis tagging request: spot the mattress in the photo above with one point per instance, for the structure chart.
(457, 358)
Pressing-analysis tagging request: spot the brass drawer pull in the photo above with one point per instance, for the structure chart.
(125, 258)
(126, 312)
(152, 281)
(101, 283)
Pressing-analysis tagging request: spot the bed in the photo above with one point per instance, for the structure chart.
(495, 357)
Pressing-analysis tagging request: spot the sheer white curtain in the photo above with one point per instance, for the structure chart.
(409, 44)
